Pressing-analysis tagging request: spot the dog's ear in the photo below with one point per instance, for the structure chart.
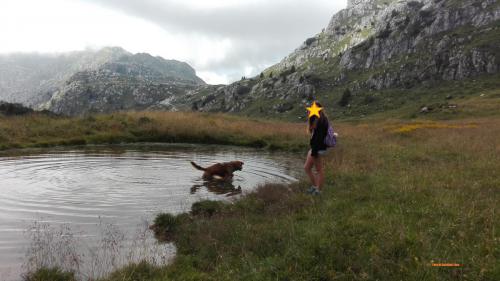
(238, 165)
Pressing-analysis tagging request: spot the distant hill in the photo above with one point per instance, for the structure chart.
(92, 81)
(11, 109)
(31, 78)
(17, 109)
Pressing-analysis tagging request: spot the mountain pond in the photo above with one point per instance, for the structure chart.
(88, 209)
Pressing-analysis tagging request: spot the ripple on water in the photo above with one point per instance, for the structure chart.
(119, 185)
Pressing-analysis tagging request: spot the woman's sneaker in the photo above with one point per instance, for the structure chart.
(311, 190)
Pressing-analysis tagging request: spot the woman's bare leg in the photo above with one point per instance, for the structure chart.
(320, 176)
(308, 168)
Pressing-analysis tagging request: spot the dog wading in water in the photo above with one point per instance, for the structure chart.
(222, 170)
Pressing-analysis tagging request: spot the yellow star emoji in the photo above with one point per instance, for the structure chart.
(314, 110)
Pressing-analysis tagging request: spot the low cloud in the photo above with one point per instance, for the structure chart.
(222, 39)
(259, 33)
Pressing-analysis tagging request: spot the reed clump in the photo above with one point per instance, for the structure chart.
(37, 130)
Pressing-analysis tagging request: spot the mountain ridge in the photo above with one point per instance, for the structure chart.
(41, 81)
(370, 47)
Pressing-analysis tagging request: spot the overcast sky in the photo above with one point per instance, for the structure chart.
(222, 39)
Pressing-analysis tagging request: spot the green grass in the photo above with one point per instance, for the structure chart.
(393, 205)
(52, 274)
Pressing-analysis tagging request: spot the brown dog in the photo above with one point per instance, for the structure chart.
(223, 170)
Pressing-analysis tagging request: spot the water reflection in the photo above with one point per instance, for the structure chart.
(218, 187)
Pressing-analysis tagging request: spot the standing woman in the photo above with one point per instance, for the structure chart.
(318, 128)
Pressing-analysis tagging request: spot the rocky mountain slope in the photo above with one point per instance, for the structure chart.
(93, 81)
(133, 82)
(31, 78)
(372, 56)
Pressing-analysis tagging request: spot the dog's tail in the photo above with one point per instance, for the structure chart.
(197, 166)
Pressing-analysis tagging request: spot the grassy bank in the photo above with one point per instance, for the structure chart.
(396, 201)
(44, 131)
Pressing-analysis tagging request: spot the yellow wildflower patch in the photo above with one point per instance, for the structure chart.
(408, 128)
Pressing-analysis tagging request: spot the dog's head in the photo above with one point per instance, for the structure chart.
(237, 165)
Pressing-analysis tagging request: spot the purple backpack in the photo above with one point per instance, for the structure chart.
(330, 139)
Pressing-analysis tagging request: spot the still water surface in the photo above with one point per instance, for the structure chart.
(124, 186)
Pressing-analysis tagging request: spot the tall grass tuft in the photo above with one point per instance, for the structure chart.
(61, 253)
(167, 127)
(50, 274)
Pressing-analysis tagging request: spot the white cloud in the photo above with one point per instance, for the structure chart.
(222, 39)
(213, 78)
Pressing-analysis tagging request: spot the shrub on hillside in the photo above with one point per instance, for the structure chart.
(346, 98)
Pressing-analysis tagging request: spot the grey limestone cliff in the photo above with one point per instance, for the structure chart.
(372, 45)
